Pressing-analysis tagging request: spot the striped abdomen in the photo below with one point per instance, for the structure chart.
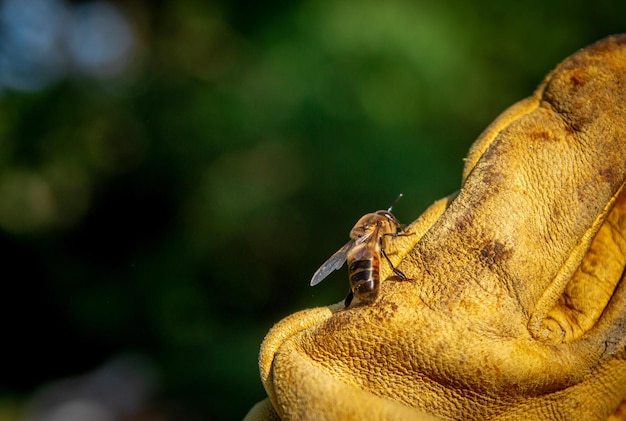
(364, 272)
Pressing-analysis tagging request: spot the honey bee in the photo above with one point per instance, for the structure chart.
(363, 251)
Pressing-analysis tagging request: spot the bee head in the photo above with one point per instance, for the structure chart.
(387, 215)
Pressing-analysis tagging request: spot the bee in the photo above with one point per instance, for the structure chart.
(363, 251)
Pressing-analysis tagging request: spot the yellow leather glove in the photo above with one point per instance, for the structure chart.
(515, 306)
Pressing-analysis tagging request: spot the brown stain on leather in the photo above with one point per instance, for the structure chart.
(541, 135)
(494, 253)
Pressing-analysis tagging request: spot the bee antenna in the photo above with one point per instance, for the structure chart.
(394, 202)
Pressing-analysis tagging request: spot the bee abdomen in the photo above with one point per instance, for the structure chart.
(364, 278)
(366, 290)
(362, 270)
(361, 264)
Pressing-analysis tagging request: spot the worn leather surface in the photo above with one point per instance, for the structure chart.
(516, 306)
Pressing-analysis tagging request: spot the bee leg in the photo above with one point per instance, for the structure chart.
(396, 271)
(399, 273)
(349, 299)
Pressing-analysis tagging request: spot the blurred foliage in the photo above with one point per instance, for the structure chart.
(179, 208)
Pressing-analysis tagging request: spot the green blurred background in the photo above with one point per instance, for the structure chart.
(172, 172)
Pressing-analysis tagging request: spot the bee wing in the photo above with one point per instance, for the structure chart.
(334, 262)
(365, 238)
